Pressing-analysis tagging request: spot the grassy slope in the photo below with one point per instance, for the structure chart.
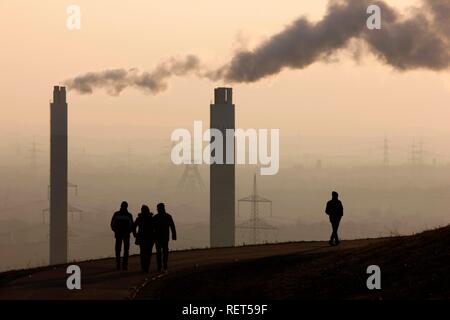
(413, 267)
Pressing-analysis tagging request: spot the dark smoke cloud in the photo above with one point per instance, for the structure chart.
(441, 13)
(419, 40)
(414, 43)
(116, 80)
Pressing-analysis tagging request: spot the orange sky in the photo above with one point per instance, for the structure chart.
(342, 99)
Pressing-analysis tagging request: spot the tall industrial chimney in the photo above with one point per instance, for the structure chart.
(222, 179)
(58, 176)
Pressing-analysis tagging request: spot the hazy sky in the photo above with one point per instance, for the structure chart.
(338, 112)
(353, 101)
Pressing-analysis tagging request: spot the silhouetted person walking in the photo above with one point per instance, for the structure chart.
(335, 211)
(163, 222)
(122, 225)
(145, 236)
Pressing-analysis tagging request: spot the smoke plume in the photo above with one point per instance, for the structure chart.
(116, 80)
(420, 39)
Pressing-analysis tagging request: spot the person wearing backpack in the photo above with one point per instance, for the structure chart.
(122, 225)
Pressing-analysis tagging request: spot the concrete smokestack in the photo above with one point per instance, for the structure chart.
(58, 176)
(222, 176)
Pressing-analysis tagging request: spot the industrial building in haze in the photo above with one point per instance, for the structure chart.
(58, 176)
(222, 176)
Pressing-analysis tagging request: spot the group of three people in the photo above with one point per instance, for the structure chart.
(148, 230)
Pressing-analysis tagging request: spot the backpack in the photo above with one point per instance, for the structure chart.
(122, 223)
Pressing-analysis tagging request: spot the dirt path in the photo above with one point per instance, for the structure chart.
(101, 281)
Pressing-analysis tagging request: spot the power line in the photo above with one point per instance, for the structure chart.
(255, 224)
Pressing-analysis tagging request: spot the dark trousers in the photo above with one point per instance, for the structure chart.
(146, 255)
(126, 248)
(162, 249)
(335, 226)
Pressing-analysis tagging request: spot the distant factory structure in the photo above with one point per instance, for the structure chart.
(58, 177)
(222, 176)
